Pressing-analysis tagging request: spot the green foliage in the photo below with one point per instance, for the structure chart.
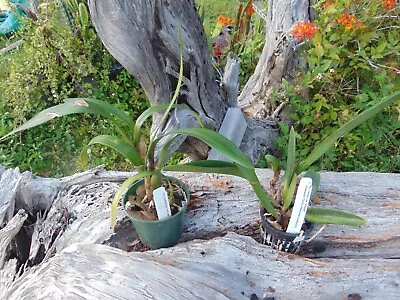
(279, 199)
(333, 216)
(57, 61)
(353, 63)
(283, 194)
(130, 140)
(213, 9)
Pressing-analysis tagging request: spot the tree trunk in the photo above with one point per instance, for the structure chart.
(278, 59)
(143, 36)
(63, 248)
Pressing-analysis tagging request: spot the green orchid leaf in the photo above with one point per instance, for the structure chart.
(177, 89)
(122, 189)
(149, 112)
(333, 216)
(288, 197)
(316, 177)
(273, 162)
(83, 15)
(109, 111)
(164, 152)
(324, 146)
(104, 109)
(116, 143)
(216, 141)
(258, 189)
(50, 114)
(78, 106)
(207, 166)
(291, 158)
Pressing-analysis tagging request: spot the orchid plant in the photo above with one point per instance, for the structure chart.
(278, 200)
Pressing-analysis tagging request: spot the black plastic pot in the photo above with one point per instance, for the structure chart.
(281, 240)
(159, 234)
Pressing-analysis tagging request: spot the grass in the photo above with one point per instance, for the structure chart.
(215, 8)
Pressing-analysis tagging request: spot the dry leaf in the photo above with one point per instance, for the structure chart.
(81, 103)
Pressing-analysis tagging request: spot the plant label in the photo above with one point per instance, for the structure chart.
(162, 203)
(300, 206)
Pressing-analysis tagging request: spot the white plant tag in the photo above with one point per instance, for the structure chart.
(300, 205)
(162, 203)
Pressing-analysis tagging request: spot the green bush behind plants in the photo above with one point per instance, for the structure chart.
(353, 63)
(56, 62)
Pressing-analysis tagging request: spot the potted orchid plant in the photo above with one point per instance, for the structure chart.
(278, 205)
(157, 225)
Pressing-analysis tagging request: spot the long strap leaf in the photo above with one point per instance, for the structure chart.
(109, 111)
(216, 141)
(333, 216)
(122, 189)
(50, 114)
(116, 143)
(105, 109)
(288, 196)
(291, 156)
(150, 111)
(178, 86)
(207, 166)
(262, 195)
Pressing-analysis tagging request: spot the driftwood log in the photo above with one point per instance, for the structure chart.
(65, 249)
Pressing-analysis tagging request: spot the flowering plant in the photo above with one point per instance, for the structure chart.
(225, 21)
(304, 30)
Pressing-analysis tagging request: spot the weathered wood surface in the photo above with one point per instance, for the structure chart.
(231, 267)
(374, 196)
(76, 210)
(144, 37)
(279, 59)
(9, 232)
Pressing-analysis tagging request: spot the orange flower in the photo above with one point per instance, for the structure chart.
(225, 20)
(388, 4)
(303, 30)
(327, 3)
(350, 21)
(249, 10)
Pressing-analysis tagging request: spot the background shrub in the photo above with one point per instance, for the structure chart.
(58, 61)
(353, 63)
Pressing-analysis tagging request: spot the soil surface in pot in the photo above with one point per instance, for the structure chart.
(142, 208)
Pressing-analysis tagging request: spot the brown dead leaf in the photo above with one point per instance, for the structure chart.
(140, 193)
(142, 215)
(356, 239)
(317, 273)
(221, 184)
(142, 147)
(251, 283)
(195, 202)
(81, 103)
(333, 201)
(270, 289)
(315, 262)
(52, 115)
(391, 205)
